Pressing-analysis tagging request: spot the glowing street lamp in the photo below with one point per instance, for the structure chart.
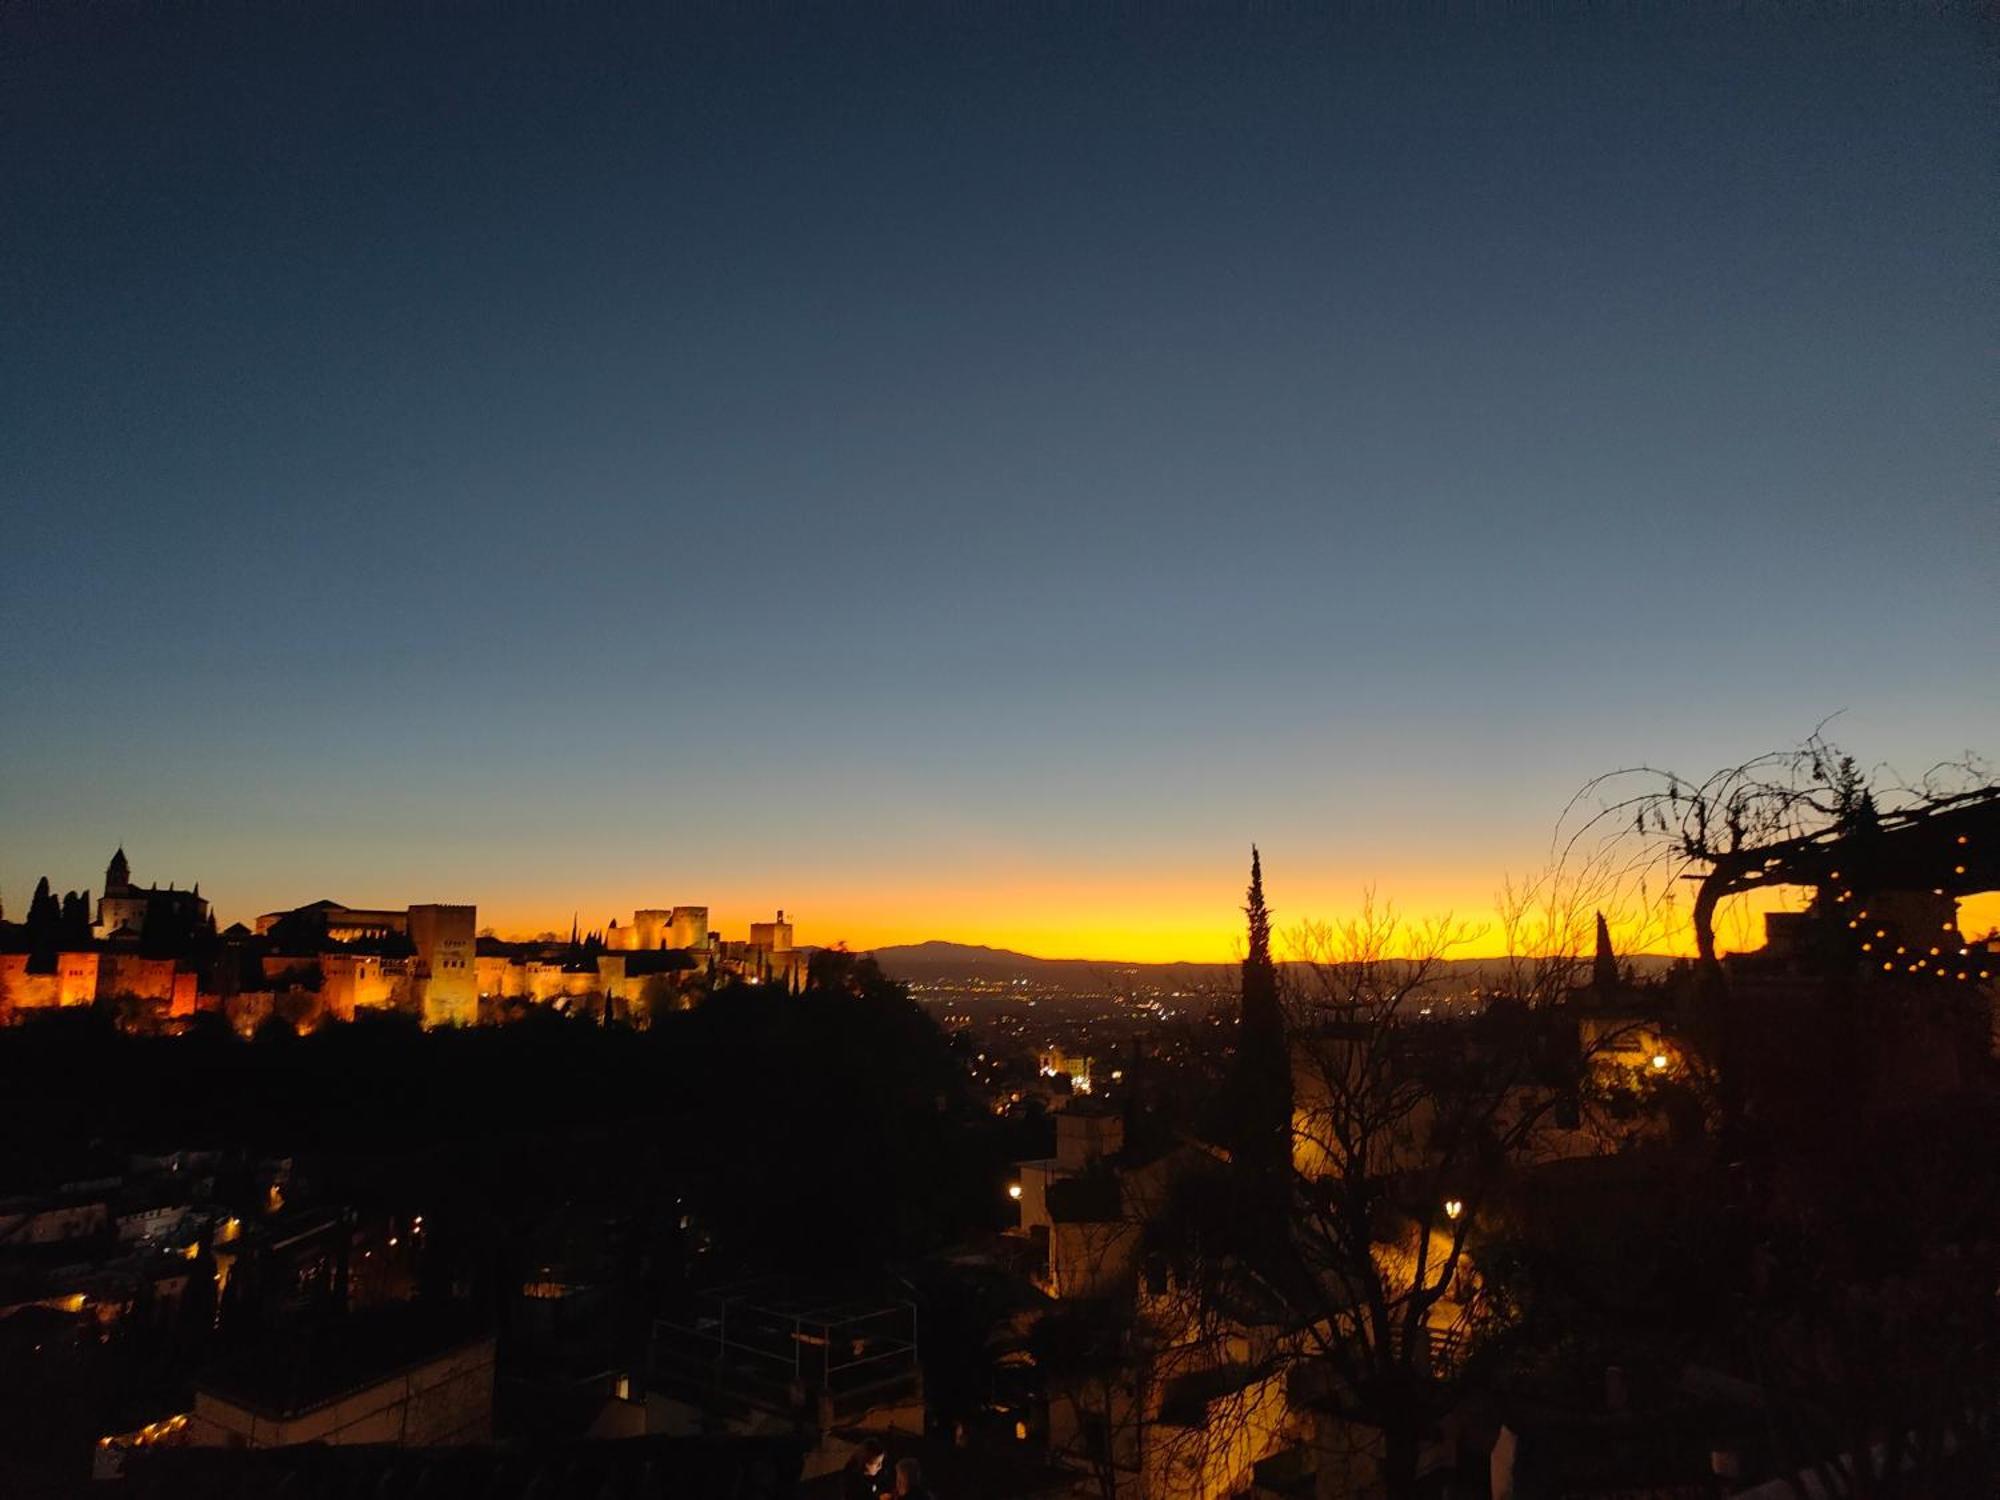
(1014, 1191)
(1453, 1207)
(1659, 1062)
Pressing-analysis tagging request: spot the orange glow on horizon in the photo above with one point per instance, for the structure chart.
(1175, 925)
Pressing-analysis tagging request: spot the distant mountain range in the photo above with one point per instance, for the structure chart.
(942, 962)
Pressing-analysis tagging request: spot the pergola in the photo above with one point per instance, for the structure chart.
(1950, 845)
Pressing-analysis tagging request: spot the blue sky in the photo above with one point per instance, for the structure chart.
(967, 471)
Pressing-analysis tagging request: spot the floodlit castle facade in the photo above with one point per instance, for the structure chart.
(157, 947)
(125, 909)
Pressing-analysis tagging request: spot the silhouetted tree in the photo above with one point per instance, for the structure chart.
(44, 926)
(75, 918)
(274, 1030)
(1604, 964)
(1401, 1137)
(210, 1026)
(1258, 1124)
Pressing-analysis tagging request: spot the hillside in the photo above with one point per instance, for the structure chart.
(939, 962)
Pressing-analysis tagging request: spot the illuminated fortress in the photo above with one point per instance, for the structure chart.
(155, 952)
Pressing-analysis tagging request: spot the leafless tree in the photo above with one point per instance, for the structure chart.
(1412, 1103)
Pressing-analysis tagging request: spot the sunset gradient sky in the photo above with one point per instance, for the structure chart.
(965, 471)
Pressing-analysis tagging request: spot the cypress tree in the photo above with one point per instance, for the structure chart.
(43, 911)
(44, 928)
(1261, 1081)
(75, 918)
(1604, 967)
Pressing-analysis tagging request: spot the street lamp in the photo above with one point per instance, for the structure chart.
(1453, 1207)
(1014, 1191)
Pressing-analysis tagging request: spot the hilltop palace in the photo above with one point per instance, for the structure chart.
(158, 947)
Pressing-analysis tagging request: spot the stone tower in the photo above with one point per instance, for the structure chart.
(118, 874)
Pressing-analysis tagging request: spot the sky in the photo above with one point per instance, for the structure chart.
(965, 471)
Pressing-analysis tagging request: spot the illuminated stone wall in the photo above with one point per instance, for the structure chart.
(114, 912)
(446, 978)
(555, 981)
(504, 978)
(83, 978)
(129, 974)
(20, 990)
(688, 927)
(773, 937)
(359, 981)
(611, 975)
(500, 977)
(76, 978)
